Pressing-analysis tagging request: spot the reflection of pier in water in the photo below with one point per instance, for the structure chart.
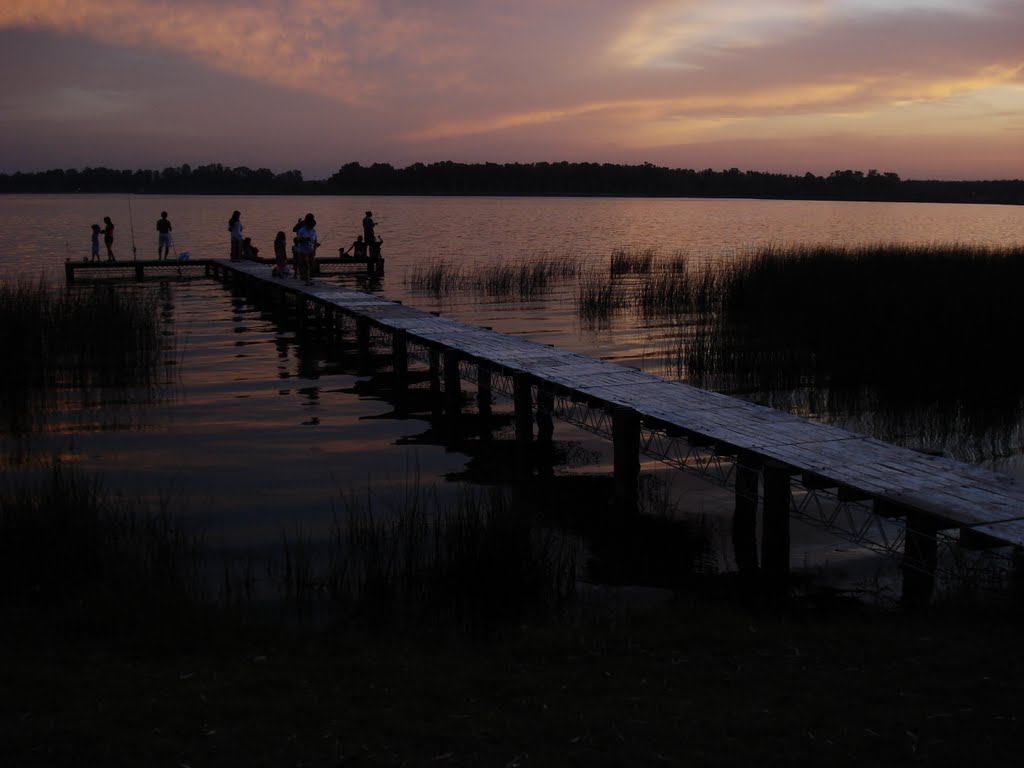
(885, 498)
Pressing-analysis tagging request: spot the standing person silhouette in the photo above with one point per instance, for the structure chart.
(235, 228)
(306, 245)
(368, 225)
(163, 226)
(95, 242)
(280, 256)
(108, 237)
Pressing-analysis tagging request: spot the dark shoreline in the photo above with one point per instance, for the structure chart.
(520, 180)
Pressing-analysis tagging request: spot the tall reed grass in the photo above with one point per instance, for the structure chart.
(503, 279)
(76, 559)
(77, 340)
(913, 322)
(479, 564)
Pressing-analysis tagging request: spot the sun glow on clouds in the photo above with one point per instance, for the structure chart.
(431, 77)
(306, 45)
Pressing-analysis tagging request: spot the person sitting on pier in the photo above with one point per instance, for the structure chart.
(358, 249)
(95, 242)
(249, 251)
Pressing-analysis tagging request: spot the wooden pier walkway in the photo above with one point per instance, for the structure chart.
(137, 269)
(768, 456)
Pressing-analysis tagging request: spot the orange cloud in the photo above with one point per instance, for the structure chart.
(316, 46)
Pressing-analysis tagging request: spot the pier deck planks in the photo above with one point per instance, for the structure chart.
(955, 494)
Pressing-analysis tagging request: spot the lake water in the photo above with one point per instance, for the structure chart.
(265, 430)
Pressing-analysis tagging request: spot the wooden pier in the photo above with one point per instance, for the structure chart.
(884, 497)
(138, 269)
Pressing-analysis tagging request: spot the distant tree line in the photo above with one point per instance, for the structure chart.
(519, 179)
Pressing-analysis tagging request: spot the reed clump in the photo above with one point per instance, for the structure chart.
(437, 277)
(478, 565)
(77, 340)
(913, 321)
(521, 280)
(74, 559)
(599, 297)
(630, 262)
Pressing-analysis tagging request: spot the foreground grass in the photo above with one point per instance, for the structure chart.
(685, 684)
(124, 669)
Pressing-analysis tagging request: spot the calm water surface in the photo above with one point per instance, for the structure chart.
(263, 429)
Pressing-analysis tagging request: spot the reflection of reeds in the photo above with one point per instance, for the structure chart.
(81, 339)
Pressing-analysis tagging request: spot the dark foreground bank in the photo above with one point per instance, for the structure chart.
(682, 684)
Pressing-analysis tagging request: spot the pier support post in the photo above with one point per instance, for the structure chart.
(484, 398)
(626, 461)
(775, 527)
(434, 368)
(139, 272)
(400, 359)
(544, 418)
(452, 384)
(920, 556)
(744, 517)
(69, 271)
(363, 344)
(522, 399)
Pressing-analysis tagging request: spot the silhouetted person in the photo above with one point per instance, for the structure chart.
(163, 226)
(108, 237)
(374, 248)
(235, 228)
(280, 256)
(358, 249)
(95, 242)
(368, 225)
(306, 244)
(249, 251)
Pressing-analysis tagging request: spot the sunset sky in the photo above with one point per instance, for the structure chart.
(923, 88)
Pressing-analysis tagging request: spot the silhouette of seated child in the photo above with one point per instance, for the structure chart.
(358, 249)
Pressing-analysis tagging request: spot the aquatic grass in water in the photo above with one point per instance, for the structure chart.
(437, 277)
(916, 322)
(74, 558)
(599, 297)
(477, 564)
(835, 332)
(503, 279)
(626, 262)
(77, 340)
